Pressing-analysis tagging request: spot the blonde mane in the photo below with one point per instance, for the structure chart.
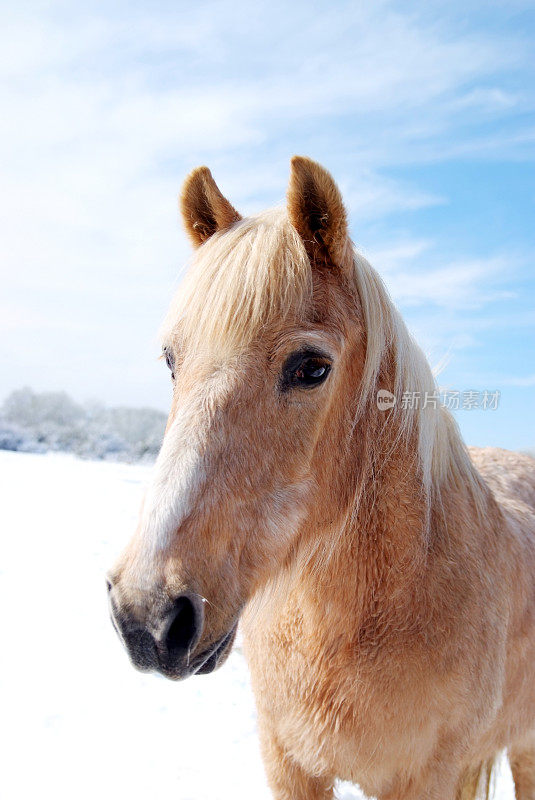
(257, 271)
(442, 453)
(238, 281)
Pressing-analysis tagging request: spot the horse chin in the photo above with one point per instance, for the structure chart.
(202, 664)
(216, 656)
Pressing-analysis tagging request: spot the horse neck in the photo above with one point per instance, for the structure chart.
(373, 564)
(387, 530)
(399, 538)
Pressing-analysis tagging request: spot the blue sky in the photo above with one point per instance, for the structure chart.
(424, 113)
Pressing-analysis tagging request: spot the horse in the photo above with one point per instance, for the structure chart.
(383, 574)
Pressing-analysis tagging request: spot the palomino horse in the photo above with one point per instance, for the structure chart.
(383, 576)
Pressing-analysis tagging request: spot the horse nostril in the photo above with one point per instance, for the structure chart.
(109, 585)
(185, 628)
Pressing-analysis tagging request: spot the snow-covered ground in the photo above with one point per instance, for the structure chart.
(79, 721)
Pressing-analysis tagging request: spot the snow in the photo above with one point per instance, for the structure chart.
(79, 720)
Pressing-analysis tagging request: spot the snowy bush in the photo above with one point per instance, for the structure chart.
(13, 437)
(41, 421)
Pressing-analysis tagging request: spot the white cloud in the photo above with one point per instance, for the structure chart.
(466, 284)
(417, 276)
(516, 380)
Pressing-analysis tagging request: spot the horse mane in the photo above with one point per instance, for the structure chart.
(258, 270)
(442, 453)
(238, 281)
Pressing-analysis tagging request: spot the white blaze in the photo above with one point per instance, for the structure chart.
(177, 481)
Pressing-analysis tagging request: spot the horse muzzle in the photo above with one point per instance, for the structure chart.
(169, 647)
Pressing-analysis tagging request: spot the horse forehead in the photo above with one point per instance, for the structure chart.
(203, 384)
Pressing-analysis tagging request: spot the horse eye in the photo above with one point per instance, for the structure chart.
(305, 370)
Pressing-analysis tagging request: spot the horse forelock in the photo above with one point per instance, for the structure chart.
(238, 282)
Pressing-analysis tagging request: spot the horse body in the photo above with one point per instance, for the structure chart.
(440, 681)
(384, 579)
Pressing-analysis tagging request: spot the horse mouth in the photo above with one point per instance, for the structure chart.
(214, 656)
(205, 662)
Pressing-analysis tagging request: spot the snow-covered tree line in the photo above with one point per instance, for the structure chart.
(38, 422)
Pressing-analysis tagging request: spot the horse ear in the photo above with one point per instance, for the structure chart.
(316, 210)
(204, 209)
